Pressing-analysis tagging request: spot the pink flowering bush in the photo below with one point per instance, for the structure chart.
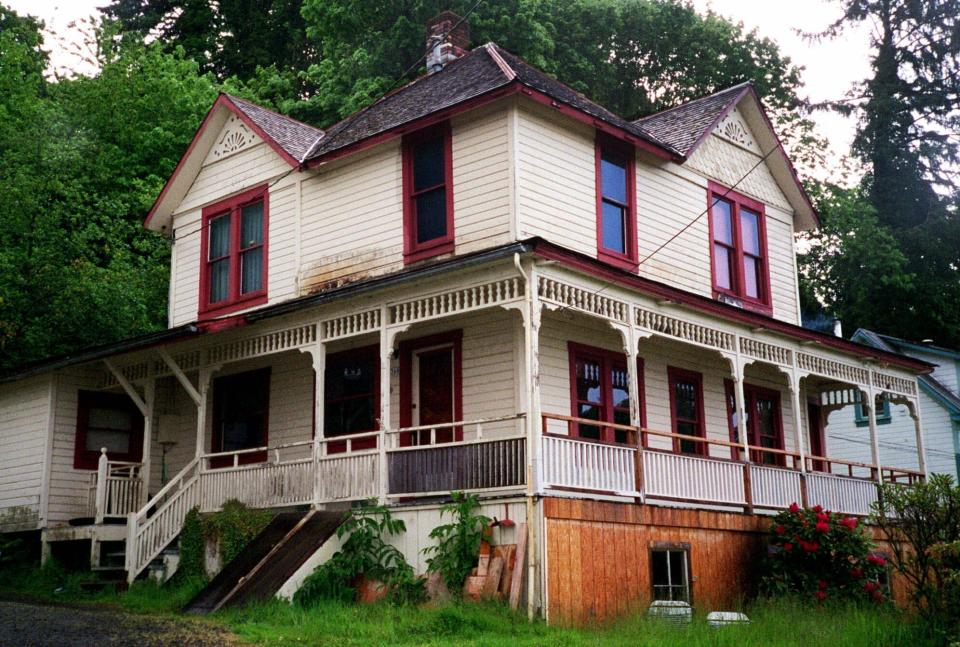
(823, 555)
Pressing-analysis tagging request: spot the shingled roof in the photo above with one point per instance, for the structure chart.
(482, 70)
(681, 128)
(295, 137)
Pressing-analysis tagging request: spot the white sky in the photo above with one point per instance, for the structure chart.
(830, 66)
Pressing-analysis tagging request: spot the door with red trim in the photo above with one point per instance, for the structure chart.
(241, 405)
(764, 424)
(433, 392)
(817, 444)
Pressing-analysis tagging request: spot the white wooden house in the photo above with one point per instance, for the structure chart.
(486, 282)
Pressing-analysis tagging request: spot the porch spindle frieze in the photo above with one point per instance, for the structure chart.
(832, 368)
(766, 352)
(686, 331)
(586, 300)
(350, 325)
(266, 344)
(456, 301)
(894, 384)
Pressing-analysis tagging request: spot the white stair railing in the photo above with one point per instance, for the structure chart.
(115, 488)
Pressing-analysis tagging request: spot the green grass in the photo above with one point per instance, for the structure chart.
(775, 623)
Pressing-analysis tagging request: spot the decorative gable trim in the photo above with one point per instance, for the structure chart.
(234, 137)
(733, 129)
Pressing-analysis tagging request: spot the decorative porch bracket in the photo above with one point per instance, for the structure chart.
(145, 405)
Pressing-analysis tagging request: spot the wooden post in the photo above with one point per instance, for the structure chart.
(871, 407)
(914, 407)
(741, 408)
(149, 396)
(100, 499)
(747, 488)
(130, 548)
(203, 388)
(319, 355)
(793, 378)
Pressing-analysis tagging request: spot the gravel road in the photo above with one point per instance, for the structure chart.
(34, 625)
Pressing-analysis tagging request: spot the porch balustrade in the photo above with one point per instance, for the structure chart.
(633, 468)
(115, 489)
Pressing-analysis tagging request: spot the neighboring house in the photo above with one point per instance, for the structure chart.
(483, 281)
(939, 409)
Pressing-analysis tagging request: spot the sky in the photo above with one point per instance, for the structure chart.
(830, 66)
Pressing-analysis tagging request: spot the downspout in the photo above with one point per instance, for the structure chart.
(527, 317)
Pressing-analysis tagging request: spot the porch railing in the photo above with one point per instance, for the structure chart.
(348, 468)
(633, 468)
(437, 459)
(115, 489)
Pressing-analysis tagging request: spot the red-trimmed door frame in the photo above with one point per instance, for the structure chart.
(407, 348)
(675, 374)
(334, 447)
(215, 435)
(607, 359)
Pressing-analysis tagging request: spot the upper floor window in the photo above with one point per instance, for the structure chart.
(107, 420)
(616, 203)
(234, 253)
(601, 391)
(739, 248)
(686, 409)
(427, 193)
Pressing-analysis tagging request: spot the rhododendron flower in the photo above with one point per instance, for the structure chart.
(870, 586)
(794, 508)
(823, 517)
(849, 522)
(817, 508)
(856, 573)
(809, 546)
(822, 585)
(820, 595)
(822, 526)
(877, 596)
(779, 530)
(876, 559)
(788, 547)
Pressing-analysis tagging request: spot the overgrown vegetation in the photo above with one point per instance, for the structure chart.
(192, 548)
(822, 555)
(231, 528)
(457, 543)
(923, 522)
(364, 555)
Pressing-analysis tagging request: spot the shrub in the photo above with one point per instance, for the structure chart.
(192, 549)
(233, 527)
(457, 543)
(823, 555)
(922, 523)
(364, 554)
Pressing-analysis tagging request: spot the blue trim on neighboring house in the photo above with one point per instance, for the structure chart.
(942, 401)
(883, 415)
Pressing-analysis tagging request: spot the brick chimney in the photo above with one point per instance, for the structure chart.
(441, 51)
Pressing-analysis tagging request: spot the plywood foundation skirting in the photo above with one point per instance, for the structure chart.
(598, 556)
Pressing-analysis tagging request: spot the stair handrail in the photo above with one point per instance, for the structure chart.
(175, 482)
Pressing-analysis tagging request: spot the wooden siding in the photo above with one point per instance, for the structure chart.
(352, 219)
(24, 417)
(556, 200)
(597, 561)
(657, 354)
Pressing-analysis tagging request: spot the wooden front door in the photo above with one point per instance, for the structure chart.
(815, 425)
(241, 405)
(764, 424)
(433, 397)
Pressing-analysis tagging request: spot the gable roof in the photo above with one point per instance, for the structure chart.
(934, 387)
(483, 74)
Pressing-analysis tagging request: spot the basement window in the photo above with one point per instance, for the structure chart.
(428, 193)
(670, 574)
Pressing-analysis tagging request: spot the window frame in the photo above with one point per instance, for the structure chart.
(368, 352)
(883, 416)
(763, 304)
(628, 260)
(675, 374)
(232, 207)
(607, 359)
(672, 547)
(750, 394)
(84, 459)
(412, 250)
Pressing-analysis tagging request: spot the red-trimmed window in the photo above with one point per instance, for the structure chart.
(738, 248)
(763, 422)
(427, 193)
(599, 390)
(108, 420)
(234, 253)
(241, 414)
(616, 203)
(686, 409)
(351, 397)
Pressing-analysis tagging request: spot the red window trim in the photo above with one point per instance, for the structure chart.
(607, 358)
(764, 304)
(371, 351)
(215, 438)
(88, 460)
(750, 393)
(674, 374)
(413, 251)
(406, 350)
(628, 261)
(235, 301)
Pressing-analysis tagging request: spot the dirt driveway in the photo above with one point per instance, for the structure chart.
(34, 625)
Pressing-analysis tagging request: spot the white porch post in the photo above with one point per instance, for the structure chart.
(318, 353)
(534, 422)
(871, 406)
(203, 388)
(149, 397)
(914, 407)
(387, 340)
(741, 407)
(793, 379)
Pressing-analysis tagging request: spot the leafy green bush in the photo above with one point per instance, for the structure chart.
(192, 549)
(364, 554)
(12, 551)
(457, 543)
(233, 527)
(922, 522)
(821, 554)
